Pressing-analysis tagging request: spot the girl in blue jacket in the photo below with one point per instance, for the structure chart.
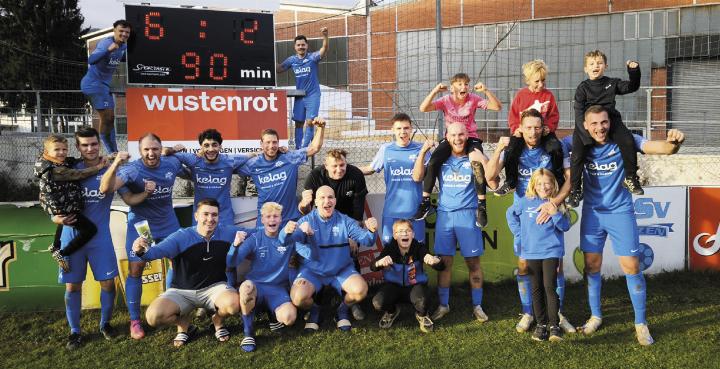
(542, 245)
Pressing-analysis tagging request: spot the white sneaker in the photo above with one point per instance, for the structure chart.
(565, 324)
(643, 335)
(591, 325)
(441, 311)
(524, 324)
(480, 314)
(388, 318)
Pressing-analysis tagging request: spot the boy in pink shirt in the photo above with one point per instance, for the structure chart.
(458, 107)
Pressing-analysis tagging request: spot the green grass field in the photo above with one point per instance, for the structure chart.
(683, 312)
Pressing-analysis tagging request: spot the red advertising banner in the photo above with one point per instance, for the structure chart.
(177, 115)
(703, 243)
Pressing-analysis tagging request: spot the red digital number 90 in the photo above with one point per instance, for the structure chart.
(191, 61)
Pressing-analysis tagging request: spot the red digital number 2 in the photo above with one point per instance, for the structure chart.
(158, 30)
(249, 27)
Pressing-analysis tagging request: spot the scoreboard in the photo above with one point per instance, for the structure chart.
(182, 46)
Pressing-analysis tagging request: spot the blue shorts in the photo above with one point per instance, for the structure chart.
(387, 234)
(453, 227)
(102, 262)
(98, 93)
(271, 295)
(318, 280)
(622, 228)
(306, 108)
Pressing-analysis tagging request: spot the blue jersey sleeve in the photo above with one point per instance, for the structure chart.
(297, 156)
(287, 63)
(128, 173)
(561, 221)
(101, 51)
(167, 248)
(187, 158)
(238, 161)
(355, 232)
(315, 56)
(513, 219)
(379, 161)
(246, 168)
(238, 253)
(639, 142)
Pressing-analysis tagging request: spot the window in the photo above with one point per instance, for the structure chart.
(673, 22)
(644, 25)
(486, 37)
(659, 23)
(630, 26)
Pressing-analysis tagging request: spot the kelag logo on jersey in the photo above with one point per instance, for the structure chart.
(160, 190)
(602, 169)
(455, 177)
(92, 194)
(525, 172)
(646, 208)
(302, 70)
(268, 178)
(400, 171)
(211, 180)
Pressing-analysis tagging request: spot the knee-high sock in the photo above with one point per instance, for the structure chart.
(560, 289)
(343, 311)
(133, 293)
(525, 293)
(248, 324)
(308, 136)
(637, 290)
(444, 295)
(477, 294)
(73, 301)
(107, 302)
(594, 281)
(298, 137)
(109, 141)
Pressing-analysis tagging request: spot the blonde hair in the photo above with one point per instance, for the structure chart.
(542, 172)
(594, 54)
(54, 138)
(270, 207)
(400, 222)
(534, 67)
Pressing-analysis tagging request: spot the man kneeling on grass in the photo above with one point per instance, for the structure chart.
(198, 255)
(405, 280)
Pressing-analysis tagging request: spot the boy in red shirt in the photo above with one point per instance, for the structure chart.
(534, 96)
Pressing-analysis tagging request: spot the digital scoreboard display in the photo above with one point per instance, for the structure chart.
(182, 46)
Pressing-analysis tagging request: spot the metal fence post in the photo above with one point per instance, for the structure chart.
(648, 115)
(38, 113)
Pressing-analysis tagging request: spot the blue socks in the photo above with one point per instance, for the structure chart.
(133, 293)
(307, 138)
(476, 296)
(444, 295)
(107, 303)
(637, 290)
(248, 321)
(298, 137)
(594, 285)
(560, 289)
(343, 311)
(109, 141)
(525, 293)
(73, 301)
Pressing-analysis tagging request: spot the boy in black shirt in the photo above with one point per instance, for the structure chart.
(599, 89)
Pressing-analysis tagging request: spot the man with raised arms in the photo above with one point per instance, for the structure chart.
(305, 67)
(199, 256)
(102, 62)
(146, 185)
(332, 265)
(608, 211)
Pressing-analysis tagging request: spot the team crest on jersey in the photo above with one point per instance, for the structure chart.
(98, 177)
(279, 164)
(282, 249)
(336, 231)
(168, 175)
(466, 165)
(412, 156)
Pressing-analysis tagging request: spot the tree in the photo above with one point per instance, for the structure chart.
(41, 49)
